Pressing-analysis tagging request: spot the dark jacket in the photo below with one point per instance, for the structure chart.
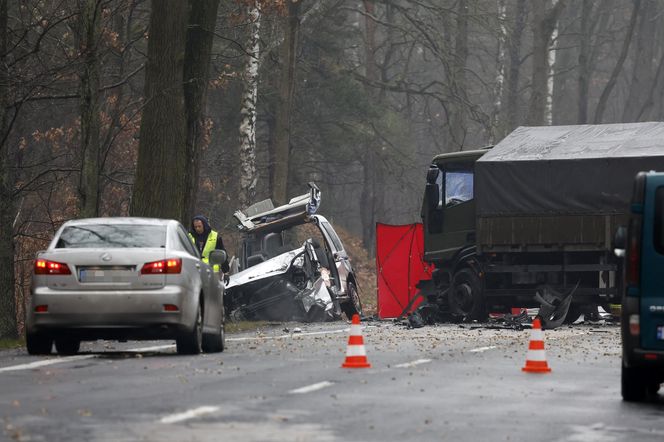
(201, 239)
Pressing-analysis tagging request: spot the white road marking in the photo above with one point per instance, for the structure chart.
(44, 363)
(189, 414)
(312, 387)
(481, 349)
(60, 360)
(155, 348)
(253, 338)
(413, 363)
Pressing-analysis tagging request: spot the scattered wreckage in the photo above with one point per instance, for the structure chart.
(275, 277)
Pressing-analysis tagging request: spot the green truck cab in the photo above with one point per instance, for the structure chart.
(530, 222)
(642, 313)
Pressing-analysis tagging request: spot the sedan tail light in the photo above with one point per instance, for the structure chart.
(173, 265)
(46, 267)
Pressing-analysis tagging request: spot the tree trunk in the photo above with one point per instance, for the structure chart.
(248, 175)
(500, 72)
(198, 50)
(369, 198)
(544, 23)
(160, 183)
(458, 116)
(606, 92)
(511, 92)
(584, 61)
(7, 293)
(89, 33)
(643, 74)
(287, 54)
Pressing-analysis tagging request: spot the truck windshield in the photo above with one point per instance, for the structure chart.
(458, 187)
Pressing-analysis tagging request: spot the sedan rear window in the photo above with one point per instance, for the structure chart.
(111, 236)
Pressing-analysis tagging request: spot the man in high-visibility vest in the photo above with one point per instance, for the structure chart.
(206, 240)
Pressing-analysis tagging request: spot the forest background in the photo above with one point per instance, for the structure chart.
(171, 107)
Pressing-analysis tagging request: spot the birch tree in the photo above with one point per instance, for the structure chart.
(248, 175)
(543, 26)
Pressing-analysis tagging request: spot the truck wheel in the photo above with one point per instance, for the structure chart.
(633, 385)
(353, 306)
(465, 297)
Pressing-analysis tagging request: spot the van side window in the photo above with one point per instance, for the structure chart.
(658, 228)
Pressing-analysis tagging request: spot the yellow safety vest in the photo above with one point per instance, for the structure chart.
(210, 245)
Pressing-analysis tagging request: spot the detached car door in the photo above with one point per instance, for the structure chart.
(342, 263)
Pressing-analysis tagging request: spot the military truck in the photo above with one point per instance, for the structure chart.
(533, 217)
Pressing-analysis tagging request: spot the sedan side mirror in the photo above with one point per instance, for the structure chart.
(620, 242)
(218, 257)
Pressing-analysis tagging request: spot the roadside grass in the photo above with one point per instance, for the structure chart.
(240, 326)
(11, 343)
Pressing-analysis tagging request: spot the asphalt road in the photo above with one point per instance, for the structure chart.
(434, 383)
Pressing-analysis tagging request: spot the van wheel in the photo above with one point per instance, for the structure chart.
(465, 297)
(190, 343)
(38, 344)
(634, 387)
(353, 306)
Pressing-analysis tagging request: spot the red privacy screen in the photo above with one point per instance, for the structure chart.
(399, 266)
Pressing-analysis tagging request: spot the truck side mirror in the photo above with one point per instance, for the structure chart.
(217, 257)
(620, 242)
(432, 196)
(432, 189)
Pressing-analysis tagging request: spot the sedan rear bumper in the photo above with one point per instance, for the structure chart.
(103, 312)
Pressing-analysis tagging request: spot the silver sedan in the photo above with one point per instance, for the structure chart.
(121, 279)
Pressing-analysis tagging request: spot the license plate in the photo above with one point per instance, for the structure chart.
(95, 275)
(660, 333)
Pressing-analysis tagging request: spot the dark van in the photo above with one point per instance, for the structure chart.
(643, 298)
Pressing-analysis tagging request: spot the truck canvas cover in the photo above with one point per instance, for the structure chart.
(566, 170)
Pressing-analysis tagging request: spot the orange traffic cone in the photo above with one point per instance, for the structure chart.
(356, 356)
(536, 358)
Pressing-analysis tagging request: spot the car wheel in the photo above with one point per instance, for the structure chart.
(354, 305)
(190, 343)
(67, 346)
(465, 297)
(215, 342)
(38, 344)
(634, 387)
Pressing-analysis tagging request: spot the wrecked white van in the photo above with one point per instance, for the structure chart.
(291, 265)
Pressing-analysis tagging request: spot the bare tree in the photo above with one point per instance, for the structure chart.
(511, 91)
(200, 33)
(643, 72)
(282, 129)
(606, 92)
(7, 298)
(89, 30)
(160, 183)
